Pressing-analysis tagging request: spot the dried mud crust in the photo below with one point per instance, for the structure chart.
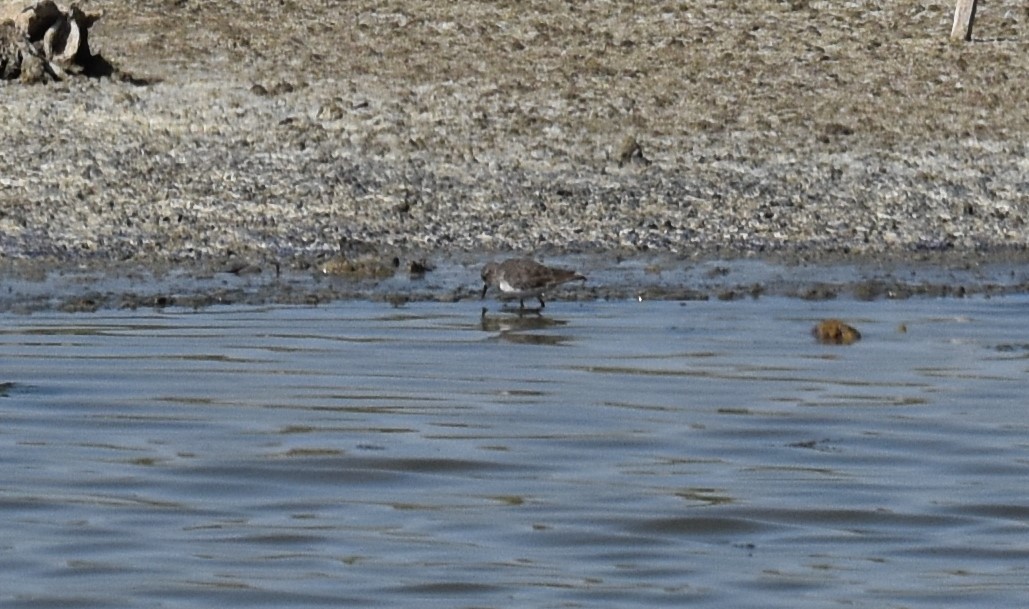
(274, 132)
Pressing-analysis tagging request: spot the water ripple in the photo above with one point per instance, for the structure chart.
(602, 455)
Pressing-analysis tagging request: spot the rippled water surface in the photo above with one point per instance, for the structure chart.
(624, 454)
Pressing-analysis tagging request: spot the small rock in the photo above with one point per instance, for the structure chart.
(631, 152)
(418, 268)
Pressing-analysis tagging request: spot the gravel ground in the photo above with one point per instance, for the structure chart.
(291, 133)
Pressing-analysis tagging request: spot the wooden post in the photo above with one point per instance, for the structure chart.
(964, 15)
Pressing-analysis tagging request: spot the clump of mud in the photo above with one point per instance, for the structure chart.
(835, 332)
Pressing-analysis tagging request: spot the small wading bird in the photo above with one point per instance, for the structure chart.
(521, 277)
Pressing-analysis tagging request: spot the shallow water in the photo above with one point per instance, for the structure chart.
(608, 454)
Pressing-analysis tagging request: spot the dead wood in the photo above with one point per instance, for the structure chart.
(42, 40)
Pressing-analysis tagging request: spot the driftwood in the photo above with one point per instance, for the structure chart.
(41, 40)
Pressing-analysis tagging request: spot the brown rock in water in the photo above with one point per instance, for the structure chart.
(835, 332)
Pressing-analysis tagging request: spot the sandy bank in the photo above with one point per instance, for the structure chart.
(281, 134)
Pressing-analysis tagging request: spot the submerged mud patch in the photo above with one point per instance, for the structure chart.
(33, 286)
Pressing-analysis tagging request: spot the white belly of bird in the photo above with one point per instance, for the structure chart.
(512, 292)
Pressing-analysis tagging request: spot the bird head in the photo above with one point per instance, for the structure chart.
(489, 273)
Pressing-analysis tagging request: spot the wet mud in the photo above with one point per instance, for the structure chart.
(295, 152)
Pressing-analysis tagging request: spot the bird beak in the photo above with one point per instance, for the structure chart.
(484, 288)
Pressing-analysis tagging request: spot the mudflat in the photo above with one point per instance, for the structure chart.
(284, 135)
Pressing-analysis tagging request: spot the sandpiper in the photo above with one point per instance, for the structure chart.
(523, 277)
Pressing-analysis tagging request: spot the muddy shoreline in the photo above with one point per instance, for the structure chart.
(29, 287)
(257, 142)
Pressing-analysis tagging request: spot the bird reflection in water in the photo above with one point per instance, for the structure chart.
(522, 328)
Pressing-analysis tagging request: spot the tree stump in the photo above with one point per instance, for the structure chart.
(41, 40)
